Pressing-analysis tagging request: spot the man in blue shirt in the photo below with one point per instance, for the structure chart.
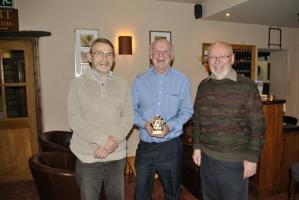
(165, 92)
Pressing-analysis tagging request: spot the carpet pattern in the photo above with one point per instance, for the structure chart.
(158, 193)
(26, 190)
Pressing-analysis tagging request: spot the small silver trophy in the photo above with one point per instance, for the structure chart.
(158, 123)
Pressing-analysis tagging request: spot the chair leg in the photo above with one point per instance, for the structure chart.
(292, 189)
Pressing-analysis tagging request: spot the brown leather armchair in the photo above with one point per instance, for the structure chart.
(54, 175)
(55, 141)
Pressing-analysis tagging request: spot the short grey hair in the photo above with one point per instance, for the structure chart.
(161, 39)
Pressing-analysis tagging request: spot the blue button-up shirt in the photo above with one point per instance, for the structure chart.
(167, 95)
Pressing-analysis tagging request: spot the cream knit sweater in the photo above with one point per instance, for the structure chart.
(96, 111)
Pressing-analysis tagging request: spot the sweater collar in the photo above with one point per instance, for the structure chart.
(231, 75)
(93, 75)
(98, 77)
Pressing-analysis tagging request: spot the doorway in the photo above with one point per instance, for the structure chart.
(272, 70)
(18, 122)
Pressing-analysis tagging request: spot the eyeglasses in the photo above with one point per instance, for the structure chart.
(220, 58)
(101, 54)
(163, 53)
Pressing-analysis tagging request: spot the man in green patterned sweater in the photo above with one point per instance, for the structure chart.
(228, 132)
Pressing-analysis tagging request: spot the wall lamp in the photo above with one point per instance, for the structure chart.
(124, 45)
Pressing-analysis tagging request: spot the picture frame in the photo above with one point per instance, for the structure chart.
(83, 40)
(154, 35)
(83, 55)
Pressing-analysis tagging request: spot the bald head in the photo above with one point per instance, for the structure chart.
(221, 58)
(221, 44)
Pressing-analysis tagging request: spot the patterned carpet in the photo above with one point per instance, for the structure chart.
(158, 192)
(26, 191)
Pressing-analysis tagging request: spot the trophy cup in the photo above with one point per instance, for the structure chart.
(158, 123)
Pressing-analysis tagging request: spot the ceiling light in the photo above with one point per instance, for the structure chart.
(227, 14)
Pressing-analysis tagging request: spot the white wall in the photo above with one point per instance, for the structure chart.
(136, 17)
(278, 80)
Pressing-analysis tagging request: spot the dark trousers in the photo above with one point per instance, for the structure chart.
(90, 176)
(222, 180)
(164, 158)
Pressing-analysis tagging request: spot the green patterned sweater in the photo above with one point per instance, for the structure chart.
(228, 119)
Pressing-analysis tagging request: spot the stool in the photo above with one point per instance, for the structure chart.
(294, 181)
(131, 167)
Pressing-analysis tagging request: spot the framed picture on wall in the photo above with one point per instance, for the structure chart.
(83, 40)
(83, 55)
(154, 35)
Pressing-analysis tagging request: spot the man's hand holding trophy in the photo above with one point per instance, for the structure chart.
(157, 127)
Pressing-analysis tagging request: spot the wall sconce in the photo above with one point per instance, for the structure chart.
(124, 45)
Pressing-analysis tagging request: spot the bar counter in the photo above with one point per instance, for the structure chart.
(280, 151)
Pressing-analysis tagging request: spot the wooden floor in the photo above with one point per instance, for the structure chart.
(26, 191)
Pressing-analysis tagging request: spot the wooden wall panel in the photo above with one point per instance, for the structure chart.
(16, 145)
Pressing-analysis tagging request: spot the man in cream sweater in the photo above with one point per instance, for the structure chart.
(100, 115)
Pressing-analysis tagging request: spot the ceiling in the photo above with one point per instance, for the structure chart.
(279, 13)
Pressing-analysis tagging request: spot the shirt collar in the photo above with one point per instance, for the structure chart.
(231, 75)
(165, 74)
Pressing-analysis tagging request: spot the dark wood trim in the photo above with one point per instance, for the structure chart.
(24, 34)
(276, 101)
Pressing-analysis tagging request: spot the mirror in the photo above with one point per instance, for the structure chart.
(263, 69)
(272, 69)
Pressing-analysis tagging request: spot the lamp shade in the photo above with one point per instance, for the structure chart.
(124, 45)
